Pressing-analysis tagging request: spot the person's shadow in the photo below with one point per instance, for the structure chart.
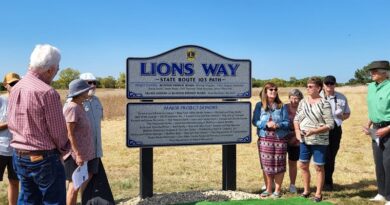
(361, 187)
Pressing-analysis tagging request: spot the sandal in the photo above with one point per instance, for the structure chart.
(317, 199)
(265, 194)
(305, 195)
(276, 195)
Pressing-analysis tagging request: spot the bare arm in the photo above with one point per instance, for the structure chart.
(317, 130)
(70, 127)
(365, 128)
(297, 130)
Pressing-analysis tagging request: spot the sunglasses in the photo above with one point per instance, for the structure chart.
(13, 83)
(273, 89)
(329, 83)
(91, 82)
(310, 86)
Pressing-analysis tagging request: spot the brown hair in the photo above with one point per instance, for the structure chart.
(264, 98)
(315, 80)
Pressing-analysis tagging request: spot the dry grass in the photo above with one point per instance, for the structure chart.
(199, 167)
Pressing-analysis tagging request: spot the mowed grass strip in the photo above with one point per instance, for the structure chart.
(290, 201)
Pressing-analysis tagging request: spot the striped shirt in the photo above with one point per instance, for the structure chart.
(35, 116)
(312, 116)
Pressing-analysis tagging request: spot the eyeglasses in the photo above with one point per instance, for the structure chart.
(310, 86)
(329, 83)
(273, 89)
(91, 82)
(13, 83)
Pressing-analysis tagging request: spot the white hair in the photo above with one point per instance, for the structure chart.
(44, 56)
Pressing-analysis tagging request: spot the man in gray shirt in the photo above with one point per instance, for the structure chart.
(94, 110)
(98, 190)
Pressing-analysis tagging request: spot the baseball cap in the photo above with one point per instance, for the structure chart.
(87, 76)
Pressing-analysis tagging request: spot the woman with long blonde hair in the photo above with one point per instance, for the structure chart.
(271, 119)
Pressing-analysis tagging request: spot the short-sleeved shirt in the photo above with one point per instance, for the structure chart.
(312, 116)
(5, 134)
(378, 100)
(337, 101)
(82, 131)
(35, 116)
(94, 110)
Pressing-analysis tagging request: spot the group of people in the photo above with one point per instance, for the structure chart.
(311, 127)
(42, 141)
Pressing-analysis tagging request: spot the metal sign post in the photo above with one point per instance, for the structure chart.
(146, 172)
(229, 167)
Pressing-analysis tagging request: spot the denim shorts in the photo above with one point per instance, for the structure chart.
(318, 152)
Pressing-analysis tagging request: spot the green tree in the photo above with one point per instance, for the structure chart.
(121, 82)
(362, 76)
(66, 76)
(108, 82)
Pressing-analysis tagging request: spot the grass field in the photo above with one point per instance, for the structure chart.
(190, 168)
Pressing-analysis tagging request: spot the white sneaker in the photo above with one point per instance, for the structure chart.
(293, 189)
(378, 197)
(387, 203)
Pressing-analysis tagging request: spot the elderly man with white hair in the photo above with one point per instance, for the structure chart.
(378, 101)
(39, 132)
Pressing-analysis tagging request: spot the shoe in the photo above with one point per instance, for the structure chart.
(317, 199)
(264, 194)
(292, 189)
(276, 195)
(328, 187)
(305, 195)
(387, 203)
(378, 197)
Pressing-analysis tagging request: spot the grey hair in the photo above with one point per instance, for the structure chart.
(43, 57)
(295, 92)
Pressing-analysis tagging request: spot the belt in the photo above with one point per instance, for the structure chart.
(34, 152)
(381, 124)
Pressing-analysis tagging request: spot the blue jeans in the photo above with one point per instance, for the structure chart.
(43, 181)
(318, 152)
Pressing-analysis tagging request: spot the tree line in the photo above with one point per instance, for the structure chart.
(361, 77)
(69, 74)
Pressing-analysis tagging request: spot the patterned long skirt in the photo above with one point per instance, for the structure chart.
(272, 153)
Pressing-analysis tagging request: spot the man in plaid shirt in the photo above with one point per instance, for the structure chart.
(39, 132)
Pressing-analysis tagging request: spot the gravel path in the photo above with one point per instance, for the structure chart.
(185, 197)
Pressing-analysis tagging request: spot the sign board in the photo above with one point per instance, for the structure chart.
(188, 72)
(163, 124)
